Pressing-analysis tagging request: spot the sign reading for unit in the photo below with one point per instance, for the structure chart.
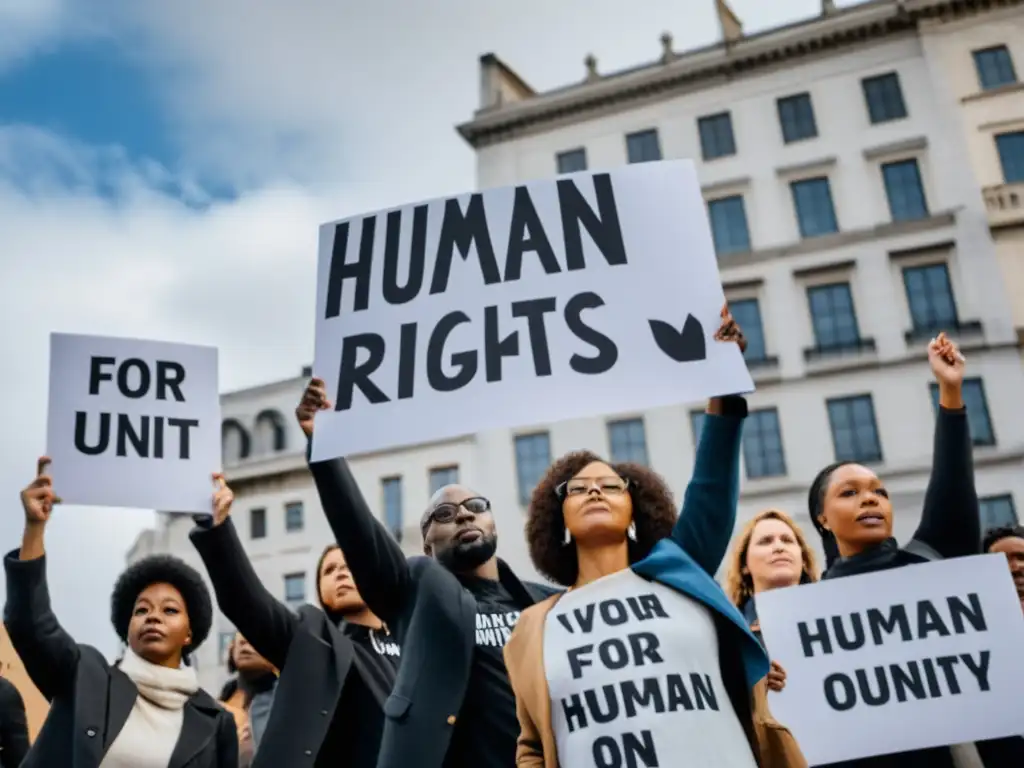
(918, 657)
(589, 294)
(133, 423)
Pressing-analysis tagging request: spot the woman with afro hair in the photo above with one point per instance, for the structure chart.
(147, 710)
(643, 659)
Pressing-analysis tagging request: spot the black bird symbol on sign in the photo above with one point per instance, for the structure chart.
(686, 346)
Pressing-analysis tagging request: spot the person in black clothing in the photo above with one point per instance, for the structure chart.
(1008, 540)
(13, 726)
(850, 507)
(337, 664)
(452, 612)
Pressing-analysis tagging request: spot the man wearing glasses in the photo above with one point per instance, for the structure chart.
(451, 611)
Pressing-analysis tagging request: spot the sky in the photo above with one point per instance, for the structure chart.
(164, 168)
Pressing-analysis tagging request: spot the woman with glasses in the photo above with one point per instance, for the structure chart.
(644, 660)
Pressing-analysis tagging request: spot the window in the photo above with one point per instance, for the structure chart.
(643, 147)
(854, 431)
(997, 511)
(995, 67)
(696, 425)
(716, 138)
(391, 489)
(257, 523)
(1011, 155)
(747, 313)
(442, 476)
(977, 410)
(224, 646)
(293, 517)
(930, 298)
(628, 440)
(833, 316)
(796, 116)
(815, 213)
(904, 189)
(762, 445)
(884, 97)
(729, 224)
(295, 589)
(572, 161)
(533, 456)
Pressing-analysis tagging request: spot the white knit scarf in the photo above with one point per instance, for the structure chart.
(164, 686)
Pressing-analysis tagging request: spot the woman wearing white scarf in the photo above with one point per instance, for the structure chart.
(148, 710)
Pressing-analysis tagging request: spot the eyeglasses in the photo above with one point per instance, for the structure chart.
(447, 511)
(577, 486)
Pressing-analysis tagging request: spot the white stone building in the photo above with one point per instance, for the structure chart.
(843, 188)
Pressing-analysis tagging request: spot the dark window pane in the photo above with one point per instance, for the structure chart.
(729, 224)
(628, 441)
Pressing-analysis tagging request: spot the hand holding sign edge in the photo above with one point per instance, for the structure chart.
(223, 497)
(314, 399)
(37, 500)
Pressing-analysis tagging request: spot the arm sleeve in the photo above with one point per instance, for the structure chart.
(950, 520)
(266, 623)
(13, 728)
(49, 653)
(708, 516)
(378, 565)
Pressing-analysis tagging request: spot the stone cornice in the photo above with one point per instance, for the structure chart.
(704, 67)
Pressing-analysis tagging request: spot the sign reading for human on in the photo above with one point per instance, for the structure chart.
(133, 423)
(923, 656)
(592, 293)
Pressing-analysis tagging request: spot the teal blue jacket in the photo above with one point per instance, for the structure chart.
(688, 559)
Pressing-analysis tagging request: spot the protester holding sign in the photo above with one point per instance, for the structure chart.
(148, 710)
(644, 661)
(770, 552)
(452, 612)
(850, 507)
(337, 664)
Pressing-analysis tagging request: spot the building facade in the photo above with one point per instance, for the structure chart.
(845, 196)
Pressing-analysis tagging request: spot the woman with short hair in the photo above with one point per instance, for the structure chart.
(145, 711)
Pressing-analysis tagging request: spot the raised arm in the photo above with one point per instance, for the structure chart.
(266, 623)
(706, 521)
(708, 516)
(950, 521)
(49, 653)
(378, 564)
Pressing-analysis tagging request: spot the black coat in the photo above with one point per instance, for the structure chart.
(13, 726)
(314, 657)
(90, 700)
(429, 611)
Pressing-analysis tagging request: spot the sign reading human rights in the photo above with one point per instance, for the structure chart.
(592, 293)
(918, 657)
(133, 423)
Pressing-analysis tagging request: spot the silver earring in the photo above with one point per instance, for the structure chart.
(631, 531)
(568, 538)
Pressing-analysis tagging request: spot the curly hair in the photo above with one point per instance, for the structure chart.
(654, 514)
(738, 585)
(163, 569)
(993, 535)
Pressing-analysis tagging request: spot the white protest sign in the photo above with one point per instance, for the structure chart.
(133, 423)
(588, 294)
(923, 656)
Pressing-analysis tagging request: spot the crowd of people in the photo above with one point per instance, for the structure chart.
(450, 660)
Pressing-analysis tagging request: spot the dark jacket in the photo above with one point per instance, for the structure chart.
(90, 700)
(13, 726)
(950, 527)
(429, 611)
(314, 657)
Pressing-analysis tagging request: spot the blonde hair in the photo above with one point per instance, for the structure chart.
(739, 586)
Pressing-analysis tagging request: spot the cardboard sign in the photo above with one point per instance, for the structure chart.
(592, 293)
(923, 656)
(133, 423)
